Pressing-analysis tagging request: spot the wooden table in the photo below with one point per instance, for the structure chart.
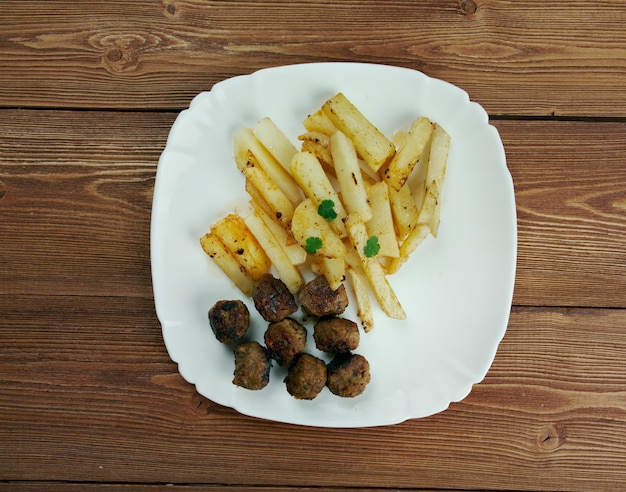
(89, 399)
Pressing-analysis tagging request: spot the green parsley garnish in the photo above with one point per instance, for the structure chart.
(312, 244)
(371, 247)
(326, 209)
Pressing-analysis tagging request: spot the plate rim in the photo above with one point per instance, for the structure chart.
(353, 65)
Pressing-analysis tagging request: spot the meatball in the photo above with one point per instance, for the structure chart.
(252, 366)
(272, 299)
(229, 320)
(285, 339)
(339, 335)
(306, 377)
(318, 299)
(348, 375)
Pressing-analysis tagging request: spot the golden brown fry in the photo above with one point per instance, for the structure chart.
(429, 213)
(275, 141)
(319, 122)
(404, 210)
(282, 208)
(410, 244)
(288, 273)
(361, 293)
(373, 269)
(309, 174)
(242, 244)
(408, 155)
(381, 222)
(351, 258)
(244, 142)
(393, 195)
(346, 162)
(398, 137)
(334, 269)
(257, 199)
(375, 149)
(318, 144)
(285, 238)
(437, 164)
(417, 179)
(307, 223)
(213, 247)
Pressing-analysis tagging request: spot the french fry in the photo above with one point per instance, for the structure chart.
(318, 144)
(309, 174)
(285, 238)
(430, 207)
(409, 153)
(344, 166)
(438, 158)
(318, 137)
(381, 222)
(346, 162)
(288, 273)
(417, 179)
(282, 208)
(410, 244)
(244, 142)
(369, 176)
(257, 204)
(419, 193)
(274, 140)
(404, 210)
(334, 269)
(375, 149)
(362, 297)
(319, 122)
(213, 247)
(351, 258)
(307, 225)
(242, 245)
(398, 137)
(257, 199)
(373, 269)
(437, 163)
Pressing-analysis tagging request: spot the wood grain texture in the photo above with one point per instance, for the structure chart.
(86, 397)
(89, 398)
(526, 58)
(77, 191)
(110, 487)
(76, 200)
(570, 190)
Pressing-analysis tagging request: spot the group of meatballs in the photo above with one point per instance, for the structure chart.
(347, 374)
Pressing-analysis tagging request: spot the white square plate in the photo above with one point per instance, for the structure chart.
(456, 289)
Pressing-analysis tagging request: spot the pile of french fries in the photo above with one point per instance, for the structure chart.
(383, 192)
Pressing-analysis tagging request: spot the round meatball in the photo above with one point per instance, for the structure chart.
(229, 320)
(285, 339)
(252, 366)
(318, 299)
(348, 375)
(339, 335)
(272, 299)
(306, 377)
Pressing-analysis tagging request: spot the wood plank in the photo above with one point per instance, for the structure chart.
(90, 398)
(76, 192)
(570, 187)
(512, 57)
(75, 200)
(115, 487)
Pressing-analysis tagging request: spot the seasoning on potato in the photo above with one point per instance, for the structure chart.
(350, 201)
